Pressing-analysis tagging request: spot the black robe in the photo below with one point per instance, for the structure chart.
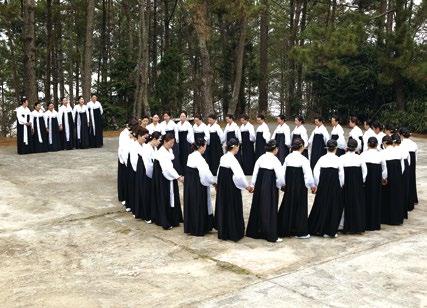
(214, 152)
(317, 149)
(197, 220)
(259, 145)
(413, 181)
(67, 145)
(339, 151)
(407, 204)
(175, 149)
(23, 148)
(305, 152)
(130, 187)
(121, 181)
(228, 207)
(325, 215)
(142, 191)
(96, 138)
(262, 223)
(281, 145)
(354, 201)
(184, 150)
(293, 212)
(229, 136)
(248, 154)
(83, 142)
(164, 215)
(56, 140)
(40, 147)
(373, 188)
(392, 206)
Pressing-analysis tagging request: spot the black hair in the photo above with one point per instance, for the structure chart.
(368, 122)
(271, 145)
(230, 116)
(167, 112)
(354, 120)
(36, 104)
(297, 144)
(331, 145)
(282, 117)
(198, 116)
(319, 118)
(139, 131)
(244, 117)
(389, 127)
(62, 98)
(168, 137)
(24, 99)
(372, 142)
(155, 114)
(155, 135)
(404, 131)
(336, 117)
(93, 94)
(232, 143)
(79, 97)
(183, 112)
(352, 145)
(261, 116)
(212, 116)
(145, 116)
(376, 124)
(198, 143)
(387, 140)
(300, 118)
(396, 138)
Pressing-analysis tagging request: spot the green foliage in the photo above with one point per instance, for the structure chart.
(415, 116)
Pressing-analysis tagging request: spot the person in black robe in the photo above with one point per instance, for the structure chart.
(282, 135)
(52, 124)
(23, 128)
(66, 115)
(96, 126)
(39, 130)
(168, 126)
(300, 132)
(198, 212)
(355, 172)
(407, 206)
(325, 215)
(317, 141)
(82, 124)
(165, 193)
(337, 134)
(375, 178)
(412, 148)
(247, 150)
(214, 150)
(231, 180)
(185, 139)
(293, 212)
(392, 210)
(262, 136)
(267, 179)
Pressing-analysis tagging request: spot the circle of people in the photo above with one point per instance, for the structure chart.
(53, 130)
(359, 184)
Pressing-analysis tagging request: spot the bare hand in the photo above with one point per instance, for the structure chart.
(384, 182)
(313, 189)
(181, 179)
(250, 189)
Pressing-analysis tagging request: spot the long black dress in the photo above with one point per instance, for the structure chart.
(214, 152)
(130, 186)
(392, 206)
(259, 145)
(52, 125)
(373, 196)
(229, 136)
(317, 149)
(354, 201)
(184, 150)
(142, 191)
(197, 220)
(67, 145)
(262, 223)
(413, 180)
(83, 142)
(21, 146)
(228, 207)
(39, 147)
(248, 153)
(305, 152)
(121, 181)
(325, 215)
(293, 216)
(407, 205)
(99, 128)
(281, 145)
(162, 213)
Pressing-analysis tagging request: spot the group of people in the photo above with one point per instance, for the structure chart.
(53, 130)
(359, 182)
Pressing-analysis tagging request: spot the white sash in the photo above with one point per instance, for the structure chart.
(92, 117)
(50, 129)
(66, 125)
(78, 124)
(26, 131)
(38, 130)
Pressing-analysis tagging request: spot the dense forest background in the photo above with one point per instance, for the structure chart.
(362, 57)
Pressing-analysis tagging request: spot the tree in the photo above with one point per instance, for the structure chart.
(88, 48)
(263, 58)
(30, 81)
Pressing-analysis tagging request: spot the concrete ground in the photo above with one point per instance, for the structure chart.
(65, 241)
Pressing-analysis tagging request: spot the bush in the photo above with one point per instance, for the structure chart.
(415, 116)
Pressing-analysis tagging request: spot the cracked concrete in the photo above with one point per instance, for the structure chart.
(65, 241)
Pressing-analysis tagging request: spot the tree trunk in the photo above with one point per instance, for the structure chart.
(88, 48)
(49, 48)
(263, 59)
(30, 82)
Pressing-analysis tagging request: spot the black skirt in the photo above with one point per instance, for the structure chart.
(413, 179)
(130, 187)
(373, 187)
(197, 220)
(354, 201)
(317, 149)
(339, 151)
(325, 216)
(67, 145)
(23, 148)
(83, 142)
(99, 128)
(407, 204)
(239, 154)
(392, 209)
(248, 154)
(305, 152)
(214, 152)
(293, 212)
(259, 145)
(184, 148)
(121, 181)
(262, 223)
(228, 207)
(283, 148)
(56, 140)
(142, 189)
(164, 214)
(175, 149)
(39, 147)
